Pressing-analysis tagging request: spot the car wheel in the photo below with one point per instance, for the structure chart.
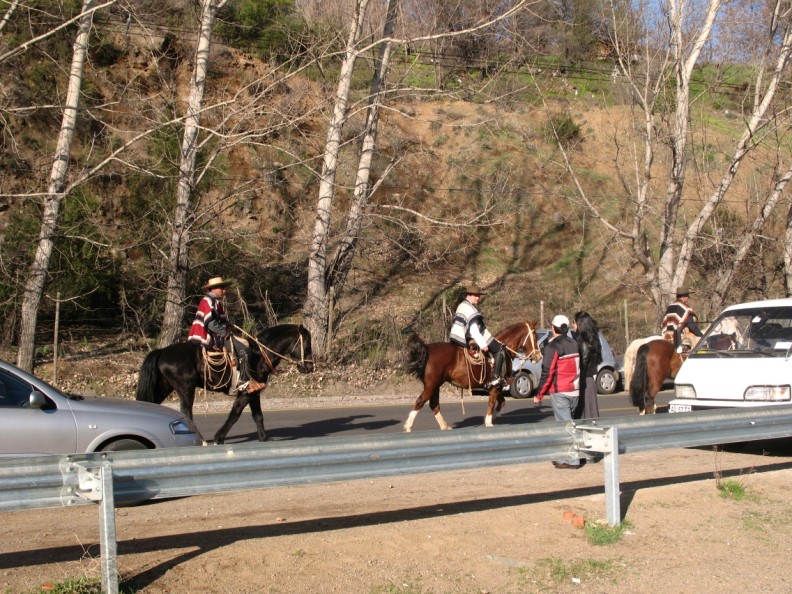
(606, 381)
(120, 445)
(523, 385)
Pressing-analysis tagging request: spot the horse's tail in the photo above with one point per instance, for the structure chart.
(419, 355)
(629, 362)
(149, 379)
(640, 378)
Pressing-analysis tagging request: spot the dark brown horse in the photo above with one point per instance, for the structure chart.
(181, 368)
(440, 362)
(655, 361)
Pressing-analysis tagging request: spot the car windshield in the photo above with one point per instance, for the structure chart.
(764, 331)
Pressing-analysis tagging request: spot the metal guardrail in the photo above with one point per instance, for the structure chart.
(122, 477)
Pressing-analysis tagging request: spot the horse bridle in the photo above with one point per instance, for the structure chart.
(534, 345)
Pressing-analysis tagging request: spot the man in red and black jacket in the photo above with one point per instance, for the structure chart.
(561, 377)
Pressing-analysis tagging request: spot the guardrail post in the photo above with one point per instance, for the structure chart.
(605, 441)
(108, 546)
(612, 491)
(97, 485)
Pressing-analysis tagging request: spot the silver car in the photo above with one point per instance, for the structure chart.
(36, 418)
(527, 373)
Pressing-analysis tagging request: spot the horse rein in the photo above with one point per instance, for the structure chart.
(263, 347)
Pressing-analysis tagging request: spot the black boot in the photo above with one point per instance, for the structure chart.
(244, 371)
(678, 340)
(497, 370)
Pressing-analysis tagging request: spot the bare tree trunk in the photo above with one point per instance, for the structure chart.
(316, 307)
(788, 255)
(37, 275)
(316, 304)
(763, 100)
(178, 263)
(724, 279)
(666, 276)
(9, 11)
(345, 252)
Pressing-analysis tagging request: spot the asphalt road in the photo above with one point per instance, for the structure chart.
(330, 422)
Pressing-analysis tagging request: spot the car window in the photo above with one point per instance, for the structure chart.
(13, 391)
(767, 331)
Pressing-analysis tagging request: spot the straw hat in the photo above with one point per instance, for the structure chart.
(217, 281)
(474, 290)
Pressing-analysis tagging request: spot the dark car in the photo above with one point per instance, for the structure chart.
(527, 373)
(36, 418)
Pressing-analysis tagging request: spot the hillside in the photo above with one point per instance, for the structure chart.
(478, 193)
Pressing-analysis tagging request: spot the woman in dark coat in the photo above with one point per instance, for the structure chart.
(590, 349)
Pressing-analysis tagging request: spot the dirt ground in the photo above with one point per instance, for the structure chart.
(500, 530)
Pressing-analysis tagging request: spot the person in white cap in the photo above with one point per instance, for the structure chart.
(211, 329)
(561, 377)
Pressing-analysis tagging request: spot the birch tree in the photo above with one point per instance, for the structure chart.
(666, 262)
(178, 261)
(37, 274)
(764, 96)
(341, 261)
(684, 56)
(316, 308)
(316, 305)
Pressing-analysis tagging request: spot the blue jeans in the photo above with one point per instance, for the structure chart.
(564, 406)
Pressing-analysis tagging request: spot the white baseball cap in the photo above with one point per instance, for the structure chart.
(560, 320)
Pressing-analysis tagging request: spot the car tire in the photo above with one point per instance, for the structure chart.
(523, 385)
(121, 445)
(606, 381)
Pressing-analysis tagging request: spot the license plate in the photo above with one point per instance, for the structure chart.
(672, 408)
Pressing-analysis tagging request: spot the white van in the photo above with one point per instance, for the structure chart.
(743, 360)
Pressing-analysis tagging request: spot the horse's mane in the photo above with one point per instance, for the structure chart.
(277, 331)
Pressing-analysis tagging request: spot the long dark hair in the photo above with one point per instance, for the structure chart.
(587, 337)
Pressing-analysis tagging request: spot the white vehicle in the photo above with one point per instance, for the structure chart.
(743, 360)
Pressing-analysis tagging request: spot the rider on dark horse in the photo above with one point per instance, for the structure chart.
(469, 325)
(212, 330)
(679, 315)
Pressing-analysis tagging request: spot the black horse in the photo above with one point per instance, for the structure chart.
(181, 367)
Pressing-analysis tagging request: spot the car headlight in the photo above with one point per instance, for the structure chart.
(768, 393)
(685, 391)
(183, 427)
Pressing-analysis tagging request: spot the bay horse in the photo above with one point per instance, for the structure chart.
(181, 367)
(629, 357)
(655, 361)
(439, 362)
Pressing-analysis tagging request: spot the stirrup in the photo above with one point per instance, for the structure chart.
(255, 386)
(251, 386)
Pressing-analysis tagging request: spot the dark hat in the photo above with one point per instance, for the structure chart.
(474, 290)
(217, 281)
(682, 292)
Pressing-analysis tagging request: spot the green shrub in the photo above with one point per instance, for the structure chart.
(562, 128)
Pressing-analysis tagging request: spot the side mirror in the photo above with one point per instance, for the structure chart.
(37, 399)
